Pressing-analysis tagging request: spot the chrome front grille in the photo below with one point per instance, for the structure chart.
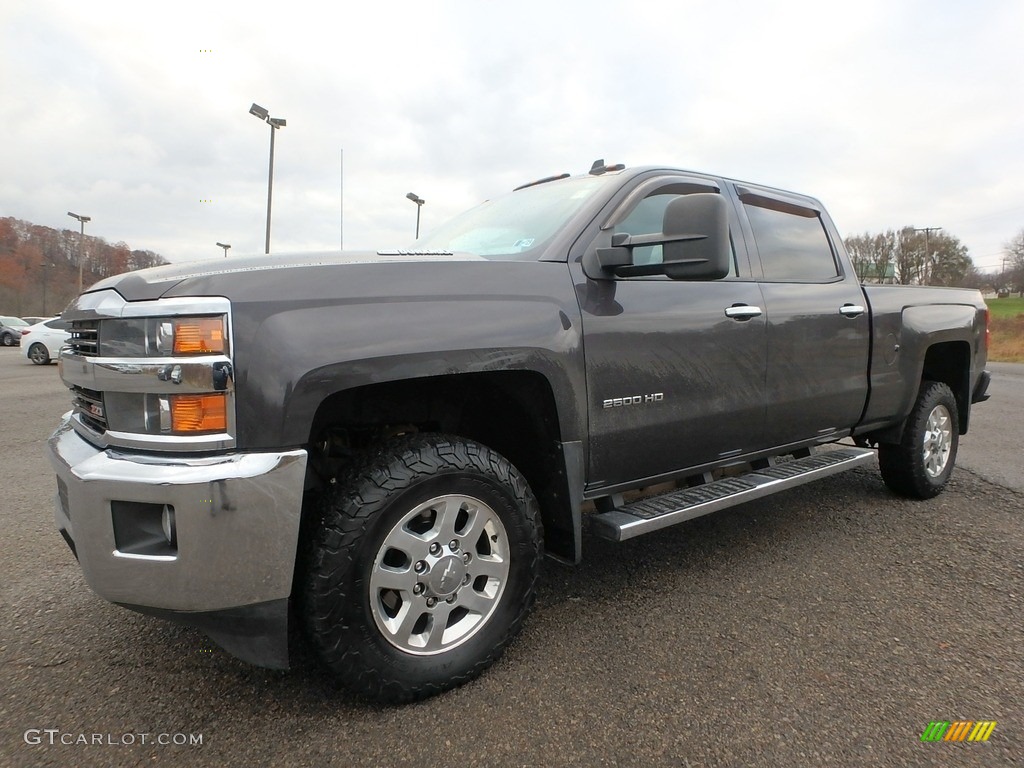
(85, 337)
(88, 404)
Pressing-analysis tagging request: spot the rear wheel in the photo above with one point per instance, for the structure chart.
(422, 568)
(920, 465)
(38, 354)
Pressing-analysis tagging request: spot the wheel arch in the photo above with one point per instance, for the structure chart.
(513, 412)
(950, 363)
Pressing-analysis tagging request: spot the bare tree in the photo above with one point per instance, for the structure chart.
(872, 256)
(1013, 272)
(909, 257)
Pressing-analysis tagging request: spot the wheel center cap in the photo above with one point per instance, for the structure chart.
(446, 575)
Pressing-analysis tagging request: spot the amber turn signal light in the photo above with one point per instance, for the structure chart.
(199, 413)
(198, 335)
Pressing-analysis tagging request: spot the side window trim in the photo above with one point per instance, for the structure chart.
(779, 201)
(623, 209)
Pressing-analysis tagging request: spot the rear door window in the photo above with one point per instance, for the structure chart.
(791, 241)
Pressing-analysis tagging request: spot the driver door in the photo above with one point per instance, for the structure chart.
(675, 369)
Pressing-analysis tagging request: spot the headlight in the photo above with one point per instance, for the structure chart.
(164, 336)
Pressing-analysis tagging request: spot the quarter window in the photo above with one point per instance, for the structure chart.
(792, 244)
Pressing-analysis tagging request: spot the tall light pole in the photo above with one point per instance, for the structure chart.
(274, 123)
(225, 246)
(419, 204)
(81, 241)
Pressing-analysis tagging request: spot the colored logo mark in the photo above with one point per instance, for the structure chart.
(959, 730)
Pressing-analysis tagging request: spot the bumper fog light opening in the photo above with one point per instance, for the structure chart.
(168, 526)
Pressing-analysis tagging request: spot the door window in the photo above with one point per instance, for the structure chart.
(792, 243)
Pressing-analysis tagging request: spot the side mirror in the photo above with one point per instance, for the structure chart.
(708, 258)
(694, 241)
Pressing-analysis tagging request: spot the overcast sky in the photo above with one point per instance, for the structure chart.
(893, 112)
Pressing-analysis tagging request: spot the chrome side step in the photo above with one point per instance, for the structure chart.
(659, 512)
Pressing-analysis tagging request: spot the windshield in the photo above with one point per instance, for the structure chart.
(13, 322)
(514, 226)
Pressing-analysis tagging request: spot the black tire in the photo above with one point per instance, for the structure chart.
(8, 340)
(376, 531)
(39, 354)
(919, 466)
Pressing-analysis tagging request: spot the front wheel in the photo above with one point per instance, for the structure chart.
(422, 568)
(920, 465)
(8, 340)
(38, 354)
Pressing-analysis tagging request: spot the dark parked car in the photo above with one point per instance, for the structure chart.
(10, 330)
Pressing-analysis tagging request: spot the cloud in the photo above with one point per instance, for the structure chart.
(135, 113)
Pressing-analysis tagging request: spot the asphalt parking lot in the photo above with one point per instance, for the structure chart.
(824, 626)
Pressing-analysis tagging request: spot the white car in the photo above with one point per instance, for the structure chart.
(41, 342)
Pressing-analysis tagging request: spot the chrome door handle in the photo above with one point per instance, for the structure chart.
(742, 312)
(851, 310)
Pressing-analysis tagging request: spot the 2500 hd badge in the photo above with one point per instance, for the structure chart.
(617, 402)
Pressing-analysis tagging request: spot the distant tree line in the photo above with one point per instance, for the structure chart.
(912, 257)
(39, 266)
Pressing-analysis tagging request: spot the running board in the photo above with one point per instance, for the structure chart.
(659, 512)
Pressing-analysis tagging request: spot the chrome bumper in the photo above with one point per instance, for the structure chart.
(236, 524)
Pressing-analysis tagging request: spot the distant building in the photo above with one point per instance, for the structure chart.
(877, 273)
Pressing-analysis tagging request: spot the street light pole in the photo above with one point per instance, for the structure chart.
(270, 186)
(274, 123)
(81, 260)
(225, 246)
(419, 204)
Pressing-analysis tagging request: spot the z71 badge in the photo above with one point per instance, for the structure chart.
(619, 402)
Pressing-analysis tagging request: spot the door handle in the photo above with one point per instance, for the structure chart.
(742, 311)
(851, 310)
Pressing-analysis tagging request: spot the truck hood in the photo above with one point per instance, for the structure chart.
(155, 282)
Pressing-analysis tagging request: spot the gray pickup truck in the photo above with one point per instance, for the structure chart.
(377, 448)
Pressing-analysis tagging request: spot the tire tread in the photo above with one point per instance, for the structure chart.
(345, 516)
(901, 463)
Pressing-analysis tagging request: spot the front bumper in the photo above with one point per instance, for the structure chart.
(227, 568)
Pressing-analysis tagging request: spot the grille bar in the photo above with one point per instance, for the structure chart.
(85, 337)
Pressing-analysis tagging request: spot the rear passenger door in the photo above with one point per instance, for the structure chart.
(818, 326)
